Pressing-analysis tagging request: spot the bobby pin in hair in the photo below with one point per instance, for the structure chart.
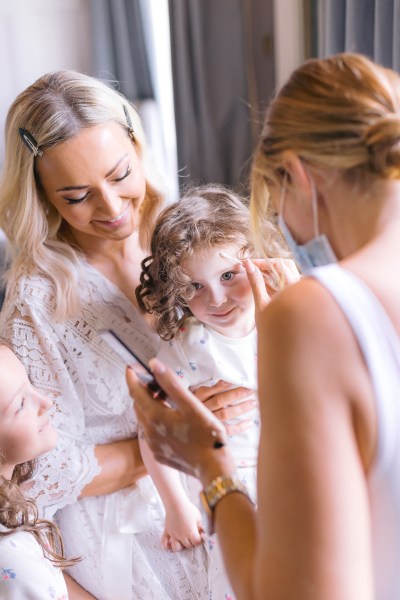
(30, 142)
(128, 120)
(231, 258)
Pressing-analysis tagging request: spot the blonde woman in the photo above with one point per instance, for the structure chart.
(328, 519)
(78, 198)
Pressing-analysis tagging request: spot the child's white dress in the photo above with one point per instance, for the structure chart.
(199, 355)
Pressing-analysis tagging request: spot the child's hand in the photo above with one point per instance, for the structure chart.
(183, 527)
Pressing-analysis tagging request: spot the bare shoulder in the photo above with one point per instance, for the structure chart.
(317, 439)
(311, 361)
(306, 313)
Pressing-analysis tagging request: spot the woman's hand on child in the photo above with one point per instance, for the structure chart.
(227, 404)
(268, 276)
(183, 527)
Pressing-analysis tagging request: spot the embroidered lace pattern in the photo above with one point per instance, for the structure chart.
(86, 381)
(82, 375)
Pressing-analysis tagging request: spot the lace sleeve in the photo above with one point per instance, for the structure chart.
(62, 473)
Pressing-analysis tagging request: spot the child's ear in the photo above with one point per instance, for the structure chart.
(297, 174)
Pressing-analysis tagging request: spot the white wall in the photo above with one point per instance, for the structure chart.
(38, 36)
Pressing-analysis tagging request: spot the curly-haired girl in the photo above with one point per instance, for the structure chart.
(196, 288)
(31, 550)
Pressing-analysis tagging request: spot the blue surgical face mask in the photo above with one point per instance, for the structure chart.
(315, 253)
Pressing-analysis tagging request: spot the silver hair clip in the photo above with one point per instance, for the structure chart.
(30, 142)
(179, 312)
(128, 120)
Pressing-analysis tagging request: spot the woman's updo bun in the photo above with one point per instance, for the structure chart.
(383, 142)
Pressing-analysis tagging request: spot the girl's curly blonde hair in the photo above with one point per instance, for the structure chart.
(204, 217)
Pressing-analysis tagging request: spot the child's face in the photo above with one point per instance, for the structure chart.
(223, 298)
(25, 429)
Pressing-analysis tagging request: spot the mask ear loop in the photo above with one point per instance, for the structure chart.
(278, 276)
(314, 207)
(314, 202)
(283, 192)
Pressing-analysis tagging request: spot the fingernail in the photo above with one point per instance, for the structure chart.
(157, 366)
(217, 445)
(250, 268)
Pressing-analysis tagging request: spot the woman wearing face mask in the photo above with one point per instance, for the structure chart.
(327, 524)
(78, 198)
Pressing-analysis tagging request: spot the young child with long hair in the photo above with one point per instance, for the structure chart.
(196, 288)
(31, 550)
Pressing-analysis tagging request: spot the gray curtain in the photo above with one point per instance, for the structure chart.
(219, 85)
(371, 27)
(119, 49)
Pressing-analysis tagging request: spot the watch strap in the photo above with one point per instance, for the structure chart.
(220, 487)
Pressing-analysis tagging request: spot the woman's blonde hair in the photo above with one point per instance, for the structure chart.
(341, 113)
(18, 513)
(54, 109)
(203, 218)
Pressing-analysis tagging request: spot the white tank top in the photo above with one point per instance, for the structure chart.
(380, 345)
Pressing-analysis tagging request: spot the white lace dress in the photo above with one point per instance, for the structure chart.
(118, 535)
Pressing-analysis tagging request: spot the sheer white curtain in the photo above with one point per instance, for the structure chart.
(158, 115)
(131, 46)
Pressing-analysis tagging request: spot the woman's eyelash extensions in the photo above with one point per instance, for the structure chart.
(125, 175)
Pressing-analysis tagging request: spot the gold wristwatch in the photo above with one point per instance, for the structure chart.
(219, 488)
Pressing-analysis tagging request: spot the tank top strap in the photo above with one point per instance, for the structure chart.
(380, 345)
